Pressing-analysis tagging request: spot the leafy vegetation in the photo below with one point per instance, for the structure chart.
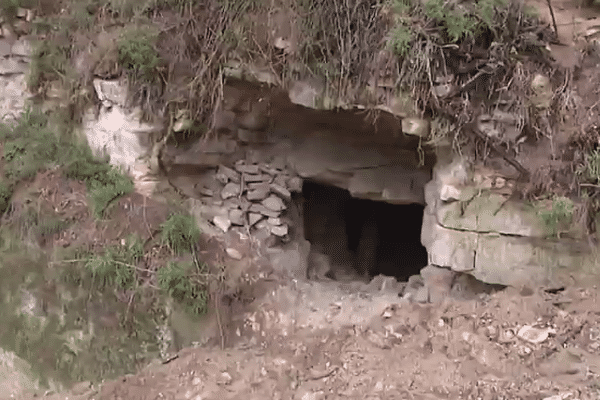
(456, 21)
(180, 233)
(590, 170)
(185, 286)
(557, 214)
(138, 56)
(117, 264)
(5, 195)
(32, 146)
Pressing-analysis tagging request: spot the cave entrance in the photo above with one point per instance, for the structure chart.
(361, 237)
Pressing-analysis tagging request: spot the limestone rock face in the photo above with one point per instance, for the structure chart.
(471, 225)
(14, 63)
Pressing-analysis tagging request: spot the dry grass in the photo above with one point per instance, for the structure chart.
(172, 53)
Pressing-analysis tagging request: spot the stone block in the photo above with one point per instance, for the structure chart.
(232, 175)
(254, 218)
(114, 91)
(489, 212)
(281, 191)
(221, 222)
(280, 231)
(261, 209)
(230, 190)
(237, 217)
(274, 203)
(294, 184)
(12, 66)
(247, 169)
(257, 194)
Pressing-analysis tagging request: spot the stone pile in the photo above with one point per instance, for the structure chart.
(253, 195)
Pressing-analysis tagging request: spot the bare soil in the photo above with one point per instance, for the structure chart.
(466, 350)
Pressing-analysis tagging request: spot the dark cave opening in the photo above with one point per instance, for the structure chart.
(363, 237)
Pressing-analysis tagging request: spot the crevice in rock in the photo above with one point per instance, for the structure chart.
(482, 232)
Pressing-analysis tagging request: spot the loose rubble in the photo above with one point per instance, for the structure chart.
(251, 192)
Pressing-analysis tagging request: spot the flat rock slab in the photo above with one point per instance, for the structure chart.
(256, 178)
(221, 222)
(257, 194)
(279, 230)
(274, 203)
(253, 218)
(229, 173)
(236, 217)
(260, 209)
(281, 191)
(294, 184)
(247, 169)
(233, 253)
(230, 190)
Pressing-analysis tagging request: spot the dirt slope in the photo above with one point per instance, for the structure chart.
(510, 346)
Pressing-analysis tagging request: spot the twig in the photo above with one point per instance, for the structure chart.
(115, 261)
(129, 306)
(553, 19)
(144, 206)
(522, 171)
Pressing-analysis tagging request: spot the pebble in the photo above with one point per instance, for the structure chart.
(222, 222)
(233, 253)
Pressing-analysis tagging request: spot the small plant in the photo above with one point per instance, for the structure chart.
(590, 170)
(138, 55)
(178, 281)
(5, 195)
(400, 40)
(49, 62)
(29, 146)
(116, 266)
(105, 182)
(180, 233)
(557, 214)
(52, 226)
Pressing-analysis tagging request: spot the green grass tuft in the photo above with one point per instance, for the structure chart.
(176, 279)
(180, 233)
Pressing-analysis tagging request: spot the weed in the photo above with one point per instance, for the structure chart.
(138, 55)
(32, 146)
(51, 226)
(590, 170)
(117, 264)
(5, 195)
(49, 62)
(180, 233)
(557, 214)
(400, 40)
(176, 280)
(29, 146)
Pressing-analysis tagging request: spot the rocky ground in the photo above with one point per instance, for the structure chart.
(510, 345)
